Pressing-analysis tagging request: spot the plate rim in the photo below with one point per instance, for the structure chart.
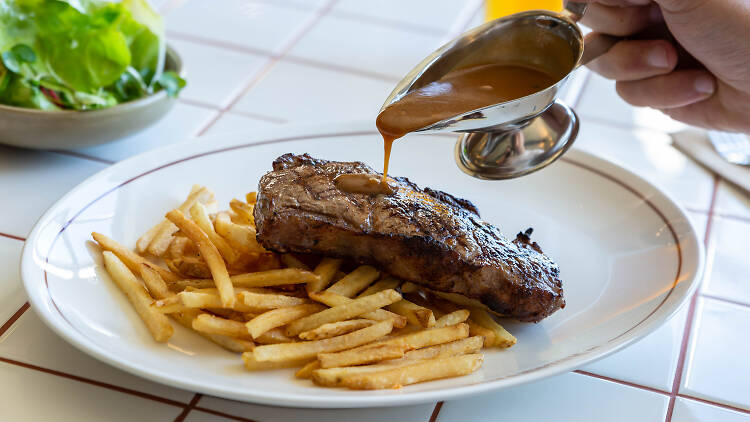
(218, 143)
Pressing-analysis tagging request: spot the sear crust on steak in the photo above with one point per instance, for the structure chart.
(425, 236)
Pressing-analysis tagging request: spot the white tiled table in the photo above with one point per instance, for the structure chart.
(340, 59)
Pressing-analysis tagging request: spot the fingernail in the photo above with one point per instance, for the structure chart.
(657, 57)
(705, 84)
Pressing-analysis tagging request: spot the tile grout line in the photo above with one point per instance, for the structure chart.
(724, 300)
(93, 382)
(224, 415)
(436, 411)
(12, 236)
(387, 23)
(193, 402)
(741, 218)
(691, 311)
(439, 405)
(621, 382)
(14, 318)
(271, 62)
(713, 403)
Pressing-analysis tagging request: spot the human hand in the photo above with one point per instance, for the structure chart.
(687, 58)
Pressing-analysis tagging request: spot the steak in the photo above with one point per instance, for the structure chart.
(428, 237)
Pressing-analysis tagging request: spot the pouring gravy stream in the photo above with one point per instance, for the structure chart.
(457, 92)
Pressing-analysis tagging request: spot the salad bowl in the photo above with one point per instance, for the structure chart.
(71, 129)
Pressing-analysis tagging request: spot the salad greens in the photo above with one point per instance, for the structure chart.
(81, 54)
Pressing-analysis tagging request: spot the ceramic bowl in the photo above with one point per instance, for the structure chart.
(67, 129)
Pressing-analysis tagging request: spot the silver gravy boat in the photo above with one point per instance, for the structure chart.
(514, 138)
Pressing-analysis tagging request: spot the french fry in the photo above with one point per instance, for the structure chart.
(181, 246)
(141, 245)
(430, 337)
(333, 299)
(169, 305)
(310, 349)
(326, 269)
(244, 210)
(240, 237)
(291, 262)
(452, 318)
(154, 283)
(266, 278)
(502, 337)
(209, 253)
(306, 371)
(409, 287)
(334, 329)
(380, 285)
(235, 345)
(424, 370)
(346, 311)
(332, 377)
(189, 266)
(157, 323)
(477, 330)
(270, 300)
(459, 347)
(200, 216)
(209, 300)
(273, 337)
(128, 257)
(355, 281)
(251, 198)
(361, 355)
(161, 240)
(278, 317)
(252, 364)
(415, 314)
(210, 324)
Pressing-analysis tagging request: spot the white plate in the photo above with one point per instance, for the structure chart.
(628, 255)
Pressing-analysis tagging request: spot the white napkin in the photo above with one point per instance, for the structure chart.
(695, 144)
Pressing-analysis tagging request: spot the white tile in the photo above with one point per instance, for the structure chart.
(34, 396)
(716, 366)
(30, 341)
(305, 4)
(282, 414)
(732, 201)
(215, 75)
(246, 23)
(600, 100)
(650, 154)
(314, 94)
(651, 361)
(12, 296)
(569, 397)
(183, 122)
(237, 123)
(438, 15)
(692, 411)
(728, 274)
(365, 46)
(31, 181)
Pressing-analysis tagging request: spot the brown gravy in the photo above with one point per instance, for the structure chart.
(455, 93)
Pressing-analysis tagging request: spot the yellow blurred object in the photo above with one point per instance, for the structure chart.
(499, 8)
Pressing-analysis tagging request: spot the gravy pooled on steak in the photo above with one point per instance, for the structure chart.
(421, 235)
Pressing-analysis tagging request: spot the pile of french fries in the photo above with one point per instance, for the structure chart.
(358, 328)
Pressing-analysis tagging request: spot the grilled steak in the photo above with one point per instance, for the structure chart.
(424, 236)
